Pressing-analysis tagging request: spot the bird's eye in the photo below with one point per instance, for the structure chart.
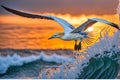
(55, 35)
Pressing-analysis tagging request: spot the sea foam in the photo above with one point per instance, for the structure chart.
(16, 60)
(74, 70)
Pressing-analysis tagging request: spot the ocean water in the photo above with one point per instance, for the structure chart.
(30, 63)
(37, 64)
(30, 37)
(26, 53)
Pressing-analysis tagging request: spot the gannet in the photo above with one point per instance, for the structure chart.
(70, 32)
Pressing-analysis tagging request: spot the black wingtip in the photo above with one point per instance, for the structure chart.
(115, 25)
(3, 6)
(118, 28)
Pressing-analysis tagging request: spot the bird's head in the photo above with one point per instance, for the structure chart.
(57, 35)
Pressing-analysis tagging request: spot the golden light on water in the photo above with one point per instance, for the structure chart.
(34, 33)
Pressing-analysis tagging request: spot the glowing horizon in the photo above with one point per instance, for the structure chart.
(74, 20)
(46, 29)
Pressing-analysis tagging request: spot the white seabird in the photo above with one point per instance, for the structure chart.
(70, 32)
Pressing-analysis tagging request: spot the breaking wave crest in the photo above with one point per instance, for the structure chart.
(105, 50)
(16, 60)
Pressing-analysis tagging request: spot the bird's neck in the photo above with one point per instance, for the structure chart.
(61, 34)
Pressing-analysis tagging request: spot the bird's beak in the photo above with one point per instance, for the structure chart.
(50, 37)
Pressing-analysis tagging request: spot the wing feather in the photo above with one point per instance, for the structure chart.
(92, 21)
(67, 26)
(84, 26)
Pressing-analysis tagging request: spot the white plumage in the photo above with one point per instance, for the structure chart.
(70, 33)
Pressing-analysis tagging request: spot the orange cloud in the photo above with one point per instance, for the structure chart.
(34, 33)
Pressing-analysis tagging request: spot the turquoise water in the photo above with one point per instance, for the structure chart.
(39, 63)
(30, 63)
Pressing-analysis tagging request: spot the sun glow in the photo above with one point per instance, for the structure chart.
(90, 29)
(35, 32)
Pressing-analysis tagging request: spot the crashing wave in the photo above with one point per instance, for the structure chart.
(16, 60)
(99, 61)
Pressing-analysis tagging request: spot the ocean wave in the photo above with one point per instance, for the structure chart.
(99, 61)
(16, 60)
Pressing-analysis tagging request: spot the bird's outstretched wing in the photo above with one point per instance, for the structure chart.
(92, 21)
(67, 26)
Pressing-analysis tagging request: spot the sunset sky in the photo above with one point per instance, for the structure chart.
(73, 7)
(35, 32)
(70, 10)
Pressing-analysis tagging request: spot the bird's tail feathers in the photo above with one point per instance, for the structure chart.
(88, 41)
